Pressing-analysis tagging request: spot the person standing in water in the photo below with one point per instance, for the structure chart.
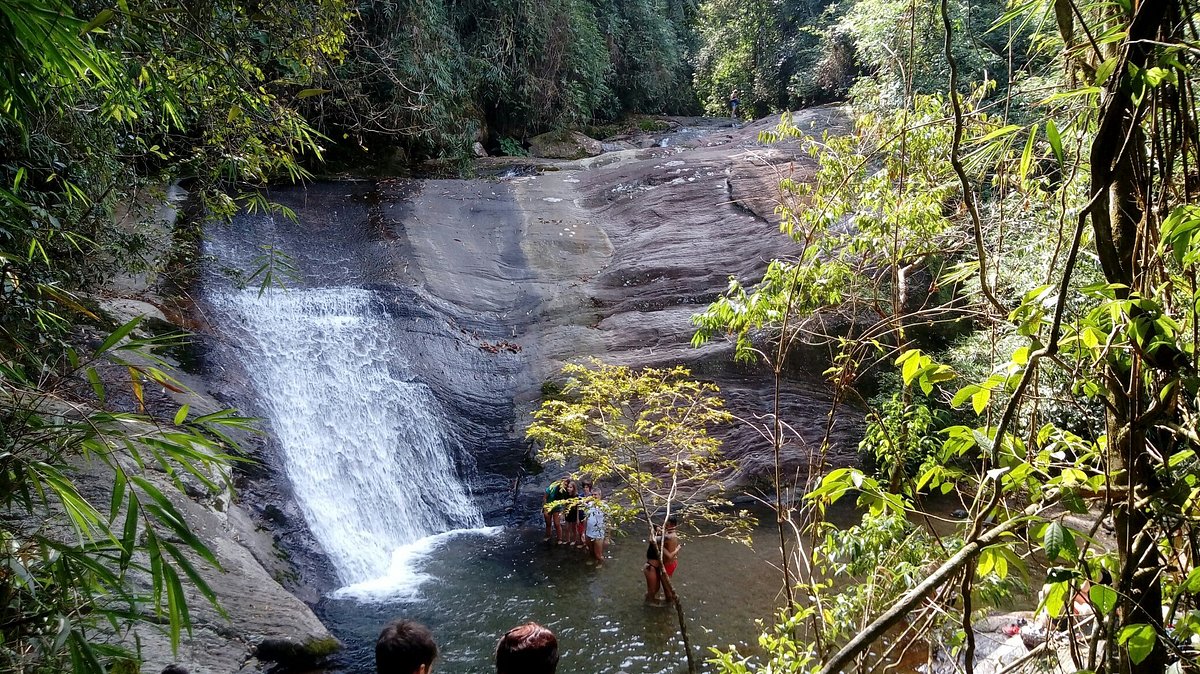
(655, 567)
(552, 511)
(581, 526)
(595, 527)
(573, 516)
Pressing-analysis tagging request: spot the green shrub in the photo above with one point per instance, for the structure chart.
(512, 147)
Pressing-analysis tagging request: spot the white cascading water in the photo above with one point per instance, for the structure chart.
(364, 450)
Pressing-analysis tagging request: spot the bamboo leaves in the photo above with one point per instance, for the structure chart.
(138, 525)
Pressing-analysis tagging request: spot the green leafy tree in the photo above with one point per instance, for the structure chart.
(647, 432)
(1093, 181)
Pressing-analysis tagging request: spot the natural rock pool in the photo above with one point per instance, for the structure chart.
(475, 587)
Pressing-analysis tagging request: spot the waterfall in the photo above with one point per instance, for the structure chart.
(363, 448)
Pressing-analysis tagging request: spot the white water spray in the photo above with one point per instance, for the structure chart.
(363, 449)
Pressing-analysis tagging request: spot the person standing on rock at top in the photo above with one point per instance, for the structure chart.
(734, 100)
(405, 647)
(552, 511)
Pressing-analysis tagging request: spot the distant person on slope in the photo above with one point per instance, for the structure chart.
(405, 647)
(734, 100)
(527, 649)
(595, 527)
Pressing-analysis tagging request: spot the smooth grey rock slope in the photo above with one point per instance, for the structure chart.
(610, 256)
(259, 611)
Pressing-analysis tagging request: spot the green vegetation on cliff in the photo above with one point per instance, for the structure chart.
(430, 77)
(97, 103)
(1006, 242)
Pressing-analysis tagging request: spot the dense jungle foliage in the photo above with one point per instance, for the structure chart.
(1019, 182)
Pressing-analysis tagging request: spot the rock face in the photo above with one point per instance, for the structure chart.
(610, 256)
(264, 622)
(499, 282)
(564, 145)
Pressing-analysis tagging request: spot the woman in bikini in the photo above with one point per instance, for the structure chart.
(654, 567)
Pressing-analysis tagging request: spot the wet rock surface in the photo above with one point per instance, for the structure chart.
(564, 145)
(250, 583)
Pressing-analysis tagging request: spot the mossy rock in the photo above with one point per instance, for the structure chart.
(289, 654)
(564, 145)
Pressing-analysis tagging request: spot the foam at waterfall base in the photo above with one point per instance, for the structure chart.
(404, 578)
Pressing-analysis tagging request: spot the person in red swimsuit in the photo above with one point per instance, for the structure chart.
(654, 569)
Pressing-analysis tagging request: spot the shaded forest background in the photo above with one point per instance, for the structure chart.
(429, 77)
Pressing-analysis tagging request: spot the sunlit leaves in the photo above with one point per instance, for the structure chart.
(1104, 598)
(916, 367)
(1138, 639)
(1058, 540)
(135, 527)
(646, 431)
(1179, 231)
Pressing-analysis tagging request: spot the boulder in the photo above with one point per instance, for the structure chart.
(564, 145)
(477, 148)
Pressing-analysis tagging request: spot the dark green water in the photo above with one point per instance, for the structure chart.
(479, 586)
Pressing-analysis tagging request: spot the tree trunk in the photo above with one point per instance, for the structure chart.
(693, 667)
(1117, 163)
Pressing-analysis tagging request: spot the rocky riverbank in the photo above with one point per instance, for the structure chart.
(264, 623)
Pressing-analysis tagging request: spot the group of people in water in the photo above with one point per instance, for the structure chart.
(407, 647)
(574, 517)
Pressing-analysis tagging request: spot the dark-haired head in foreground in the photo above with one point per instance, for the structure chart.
(405, 647)
(528, 649)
